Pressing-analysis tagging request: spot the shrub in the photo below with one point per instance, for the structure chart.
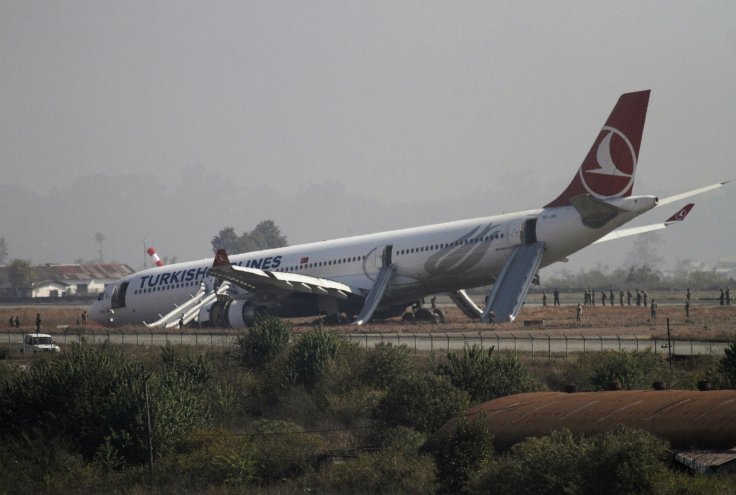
(621, 461)
(728, 365)
(385, 471)
(634, 370)
(96, 399)
(625, 461)
(311, 356)
(486, 378)
(284, 450)
(422, 401)
(465, 451)
(263, 342)
(551, 464)
(384, 363)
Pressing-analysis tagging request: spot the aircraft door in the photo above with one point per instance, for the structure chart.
(383, 256)
(515, 233)
(529, 231)
(522, 231)
(118, 295)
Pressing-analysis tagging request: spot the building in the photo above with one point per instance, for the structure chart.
(57, 281)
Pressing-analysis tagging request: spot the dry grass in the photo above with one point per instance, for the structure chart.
(705, 322)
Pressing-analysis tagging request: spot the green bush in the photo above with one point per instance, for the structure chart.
(283, 449)
(385, 471)
(263, 342)
(95, 398)
(384, 363)
(625, 461)
(465, 451)
(621, 461)
(312, 355)
(422, 401)
(633, 370)
(728, 365)
(486, 378)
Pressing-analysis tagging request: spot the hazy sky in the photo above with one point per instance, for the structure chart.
(168, 121)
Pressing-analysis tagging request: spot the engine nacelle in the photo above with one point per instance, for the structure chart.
(230, 313)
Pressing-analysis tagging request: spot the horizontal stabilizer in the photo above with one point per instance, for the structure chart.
(700, 190)
(621, 233)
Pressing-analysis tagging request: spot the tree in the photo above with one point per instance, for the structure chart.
(3, 251)
(226, 239)
(265, 235)
(20, 274)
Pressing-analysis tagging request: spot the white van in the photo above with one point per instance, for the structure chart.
(38, 342)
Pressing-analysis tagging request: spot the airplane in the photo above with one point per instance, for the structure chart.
(379, 275)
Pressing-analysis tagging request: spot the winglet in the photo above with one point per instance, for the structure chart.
(609, 168)
(680, 215)
(220, 258)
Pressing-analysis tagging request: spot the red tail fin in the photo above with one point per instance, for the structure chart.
(680, 215)
(608, 169)
(220, 258)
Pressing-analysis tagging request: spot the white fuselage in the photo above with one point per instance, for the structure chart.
(430, 259)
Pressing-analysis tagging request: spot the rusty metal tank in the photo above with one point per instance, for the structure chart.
(687, 419)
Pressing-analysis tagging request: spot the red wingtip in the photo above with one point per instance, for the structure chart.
(609, 168)
(221, 258)
(680, 215)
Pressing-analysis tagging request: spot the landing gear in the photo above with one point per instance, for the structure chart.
(422, 314)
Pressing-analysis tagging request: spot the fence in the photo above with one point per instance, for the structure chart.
(537, 346)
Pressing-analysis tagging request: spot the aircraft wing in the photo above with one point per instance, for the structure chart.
(618, 234)
(253, 279)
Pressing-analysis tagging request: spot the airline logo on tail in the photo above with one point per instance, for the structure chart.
(680, 215)
(609, 168)
(611, 173)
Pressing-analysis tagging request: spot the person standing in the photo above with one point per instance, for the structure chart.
(557, 297)
(621, 297)
(544, 298)
(579, 313)
(38, 322)
(653, 310)
(613, 299)
(723, 298)
(728, 296)
(628, 297)
(644, 295)
(638, 298)
(603, 298)
(687, 308)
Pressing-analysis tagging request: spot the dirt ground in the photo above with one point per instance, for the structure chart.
(705, 322)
